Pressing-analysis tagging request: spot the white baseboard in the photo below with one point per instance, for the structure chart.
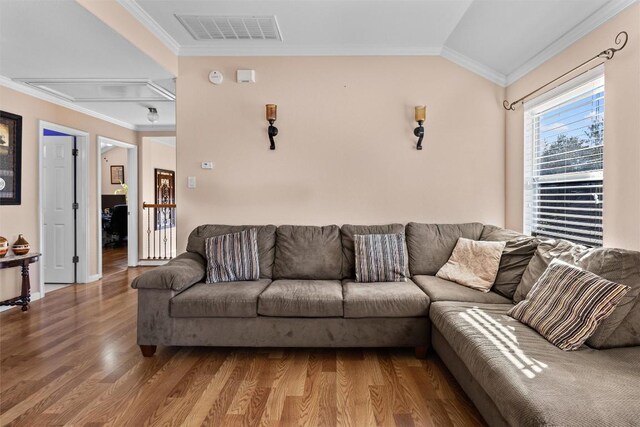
(93, 278)
(34, 297)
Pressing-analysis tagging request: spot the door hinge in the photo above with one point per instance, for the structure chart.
(76, 259)
(75, 206)
(74, 152)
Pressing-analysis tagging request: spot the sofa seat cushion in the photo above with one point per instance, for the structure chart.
(302, 298)
(443, 290)
(228, 299)
(384, 299)
(531, 381)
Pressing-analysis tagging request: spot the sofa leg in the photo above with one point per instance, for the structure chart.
(148, 350)
(421, 351)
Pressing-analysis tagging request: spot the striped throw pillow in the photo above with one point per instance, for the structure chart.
(233, 257)
(380, 257)
(567, 304)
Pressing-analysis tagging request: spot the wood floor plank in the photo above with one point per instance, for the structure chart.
(73, 360)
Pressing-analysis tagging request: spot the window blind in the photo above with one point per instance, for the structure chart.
(564, 143)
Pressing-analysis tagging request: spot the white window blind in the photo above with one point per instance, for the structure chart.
(564, 142)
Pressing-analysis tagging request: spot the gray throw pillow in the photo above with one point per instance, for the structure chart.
(380, 258)
(233, 257)
(567, 304)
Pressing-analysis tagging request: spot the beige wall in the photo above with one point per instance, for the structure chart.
(346, 150)
(622, 129)
(24, 218)
(116, 156)
(155, 155)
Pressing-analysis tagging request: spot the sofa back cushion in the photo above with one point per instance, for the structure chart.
(431, 245)
(515, 258)
(348, 231)
(622, 266)
(308, 252)
(266, 242)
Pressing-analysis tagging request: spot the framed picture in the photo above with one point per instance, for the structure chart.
(117, 174)
(10, 158)
(165, 194)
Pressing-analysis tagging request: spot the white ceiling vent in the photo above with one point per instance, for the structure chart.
(214, 27)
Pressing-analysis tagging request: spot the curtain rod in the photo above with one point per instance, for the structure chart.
(607, 54)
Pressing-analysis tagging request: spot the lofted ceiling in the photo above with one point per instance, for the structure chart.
(74, 53)
(499, 39)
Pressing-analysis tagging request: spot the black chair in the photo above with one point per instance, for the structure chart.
(119, 224)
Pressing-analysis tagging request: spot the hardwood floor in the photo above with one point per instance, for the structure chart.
(73, 360)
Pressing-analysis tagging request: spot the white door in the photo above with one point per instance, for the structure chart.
(57, 256)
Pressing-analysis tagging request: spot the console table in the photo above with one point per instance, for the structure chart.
(20, 261)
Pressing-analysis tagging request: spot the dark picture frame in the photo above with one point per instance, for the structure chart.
(117, 174)
(165, 193)
(10, 158)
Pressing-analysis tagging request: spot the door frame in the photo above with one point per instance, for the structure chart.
(82, 187)
(132, 224)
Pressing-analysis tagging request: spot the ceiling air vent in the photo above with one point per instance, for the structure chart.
(213, 27)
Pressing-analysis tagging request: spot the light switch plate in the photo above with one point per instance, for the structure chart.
(207, 165)
(191, 182)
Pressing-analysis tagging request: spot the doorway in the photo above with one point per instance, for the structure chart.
(117, 189)
(63, 201)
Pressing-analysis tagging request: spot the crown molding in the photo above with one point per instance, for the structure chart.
(474, 66)
(598, 18)
(310, 51)
(28, 90)
(150, 24)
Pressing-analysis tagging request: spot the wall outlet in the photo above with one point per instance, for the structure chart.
(207, 165)
(191, 182)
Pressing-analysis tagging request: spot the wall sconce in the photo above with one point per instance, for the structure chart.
(421, 113)
(152, 115)
(272, 115)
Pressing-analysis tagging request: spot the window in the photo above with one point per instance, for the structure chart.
(564, 142)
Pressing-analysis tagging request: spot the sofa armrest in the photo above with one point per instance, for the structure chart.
(178, 274)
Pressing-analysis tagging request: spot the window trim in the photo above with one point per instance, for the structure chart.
(558, 95)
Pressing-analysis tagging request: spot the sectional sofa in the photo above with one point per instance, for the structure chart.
(307, 296)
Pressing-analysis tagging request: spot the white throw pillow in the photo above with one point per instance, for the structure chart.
(473, 264)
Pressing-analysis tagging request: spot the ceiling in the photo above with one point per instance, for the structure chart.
(45, 40)
(499, 39)
(59, 39)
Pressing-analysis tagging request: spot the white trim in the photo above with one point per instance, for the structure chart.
(156, 128)
(150, 24)
(566, 88)
(474, 66)
(132, 203)
(602, 15)
(37, 93)
(82, 185)
(35, 82)
(279, 50)
(94, 278)
(23, 88)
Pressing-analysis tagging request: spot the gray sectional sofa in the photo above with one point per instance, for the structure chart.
(307, 296)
